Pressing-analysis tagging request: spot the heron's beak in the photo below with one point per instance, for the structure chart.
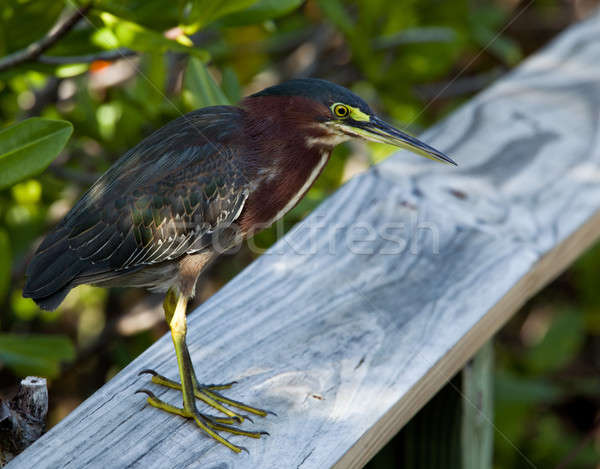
(377, 130)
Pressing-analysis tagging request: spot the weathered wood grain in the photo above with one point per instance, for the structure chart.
(477, 396)
(23, 418)
(351, 322)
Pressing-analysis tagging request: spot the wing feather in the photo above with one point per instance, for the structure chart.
(161, 200)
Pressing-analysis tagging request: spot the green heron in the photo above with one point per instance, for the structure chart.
(193, 189)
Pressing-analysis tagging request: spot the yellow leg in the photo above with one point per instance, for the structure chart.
(175, 314)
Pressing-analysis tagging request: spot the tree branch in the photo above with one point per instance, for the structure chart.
(109, 55)
(34, 50)
(23, 419)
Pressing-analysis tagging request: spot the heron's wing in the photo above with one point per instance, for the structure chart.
(168, 196)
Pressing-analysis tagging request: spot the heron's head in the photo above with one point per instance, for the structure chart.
(331, 114)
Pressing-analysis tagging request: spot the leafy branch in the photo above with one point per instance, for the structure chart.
(34, 50)
(108, 55)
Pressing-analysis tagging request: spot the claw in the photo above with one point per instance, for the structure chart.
(211, 397)
(209, 423)
(216, 387)
(175, 306)
(145, 391)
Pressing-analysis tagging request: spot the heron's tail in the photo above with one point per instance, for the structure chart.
(51, 272)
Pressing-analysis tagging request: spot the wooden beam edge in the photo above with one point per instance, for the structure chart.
(543, 272)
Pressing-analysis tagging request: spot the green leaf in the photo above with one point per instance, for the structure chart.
(154, 14)
(261, 11)
(513, 389)
(335, 11)
(39, 355)
(231, 85)
(5, 263)
(141, 39)
(147, 88)
(28, 147)
(71, 70)
(200, 90)
(485, 23)
(23, 22)
(204, 12)
(586, 271)
(505, 48)
(560, 345)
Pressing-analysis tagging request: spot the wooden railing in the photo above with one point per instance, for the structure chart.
(357, 317)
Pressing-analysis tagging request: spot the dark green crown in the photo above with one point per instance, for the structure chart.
(320, 90)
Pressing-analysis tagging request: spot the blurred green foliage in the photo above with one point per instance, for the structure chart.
(28, 147)
(35, 354)
(130, 66)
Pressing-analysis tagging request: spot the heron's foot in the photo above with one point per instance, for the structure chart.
(208, 423)
(210, 395)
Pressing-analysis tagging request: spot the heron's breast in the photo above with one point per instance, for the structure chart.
(281, 187)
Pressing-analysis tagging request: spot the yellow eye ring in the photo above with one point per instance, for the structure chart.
(340, 110)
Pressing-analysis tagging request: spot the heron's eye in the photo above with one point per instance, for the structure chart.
(341, 110)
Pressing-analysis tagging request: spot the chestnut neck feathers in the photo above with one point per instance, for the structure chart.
(281, 131)
(273, 121)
